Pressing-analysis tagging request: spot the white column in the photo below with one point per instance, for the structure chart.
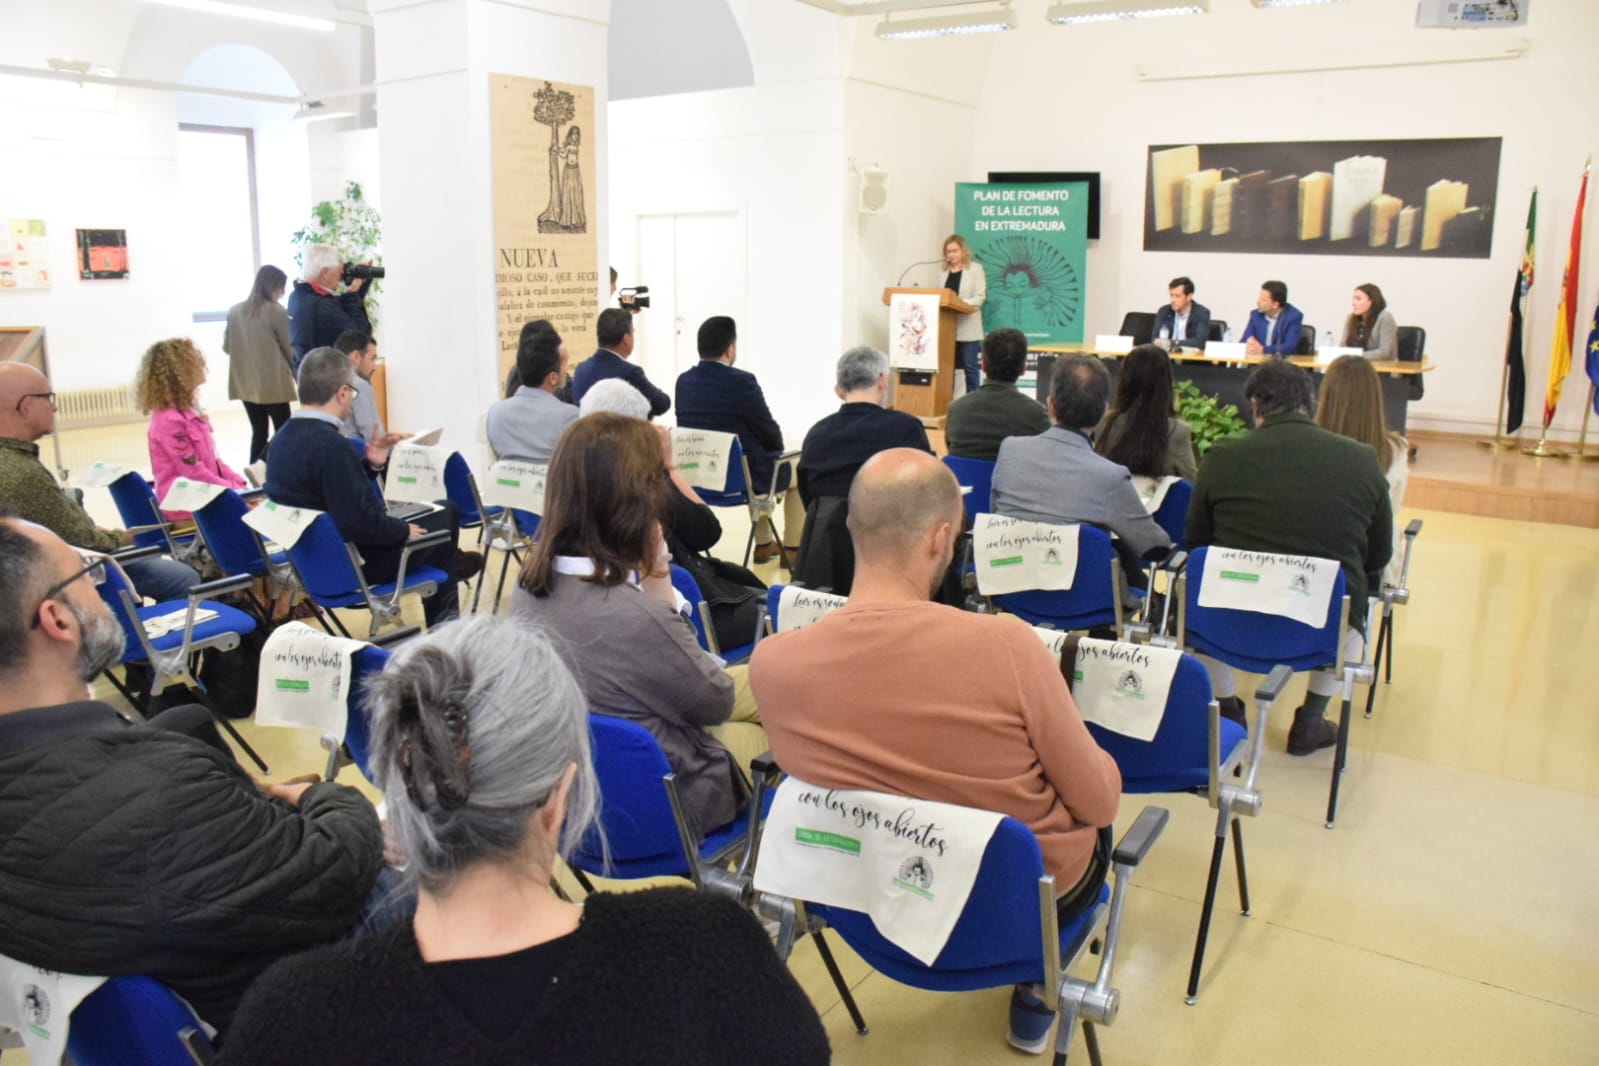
(439, 325)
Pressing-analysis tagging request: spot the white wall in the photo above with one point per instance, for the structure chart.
(1067, 99)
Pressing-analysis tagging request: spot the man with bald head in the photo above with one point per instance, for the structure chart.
(146, 849)
(28, 412)
(894, 693)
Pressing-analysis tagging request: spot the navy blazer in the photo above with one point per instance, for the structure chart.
(310, 465)
(726, 399)
(317, 319)
(1286, 341)
(607, 364)
(1198, 324)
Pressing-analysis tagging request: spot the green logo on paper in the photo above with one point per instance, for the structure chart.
(1239, 575)
(1009, 560)
(1077, 675)
(284, 685)
(819, 838)
(408, 481)
(508, 481)
(688, 466)
(916, 875)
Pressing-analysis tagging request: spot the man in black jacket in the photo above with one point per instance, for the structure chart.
(310, 465)
(316, 315)
(145, 849)
(614, 330)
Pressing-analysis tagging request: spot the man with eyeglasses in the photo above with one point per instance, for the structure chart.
(27, 413)
(146, 849)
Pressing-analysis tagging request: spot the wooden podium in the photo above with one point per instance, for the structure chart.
(926, 393)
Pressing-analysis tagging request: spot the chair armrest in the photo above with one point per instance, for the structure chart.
(1175, 563)
(220, 587)
(1140, 837)
(126, 555)
(763, 765)
(1413, 528)
(792, 453)
(1268, 691)
(395, 636)
(427, 540)
(247, 495)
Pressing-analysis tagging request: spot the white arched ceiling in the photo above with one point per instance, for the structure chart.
(679, 47)
(235, 66)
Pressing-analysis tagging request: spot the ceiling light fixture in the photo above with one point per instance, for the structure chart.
(946, 25)
(1116, 10)
(258, 14)
(317, 111)
(1292, 3)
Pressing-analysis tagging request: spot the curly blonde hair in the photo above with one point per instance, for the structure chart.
(169, 374)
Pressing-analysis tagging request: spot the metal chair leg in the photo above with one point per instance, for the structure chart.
(1091, 1038)
(1383, 641)
(582, 879)
(1063, 1034)
(1204, 914)
(1387, 629)
(838, 982)
(1238, 860)
(1339, 758)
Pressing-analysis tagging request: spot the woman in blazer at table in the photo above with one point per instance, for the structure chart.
(964, 277)
(1371, 325)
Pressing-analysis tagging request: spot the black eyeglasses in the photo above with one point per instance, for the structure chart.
(95, 568)
(49, 396)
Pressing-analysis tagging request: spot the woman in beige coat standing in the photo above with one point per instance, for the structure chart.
(964, 277)
(261, 362)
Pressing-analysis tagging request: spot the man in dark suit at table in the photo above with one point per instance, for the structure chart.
(716, 395)
(1274, 324)
(310, 465)
(1182, 321)
(614, 331)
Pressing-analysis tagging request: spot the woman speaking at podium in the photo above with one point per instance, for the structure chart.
(964, 277)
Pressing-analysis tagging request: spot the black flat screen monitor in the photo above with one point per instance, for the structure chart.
(1015, 177)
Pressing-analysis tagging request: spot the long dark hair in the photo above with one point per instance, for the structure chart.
(1357, 330)
(269, 283)
(1141, 415)
(604, 497)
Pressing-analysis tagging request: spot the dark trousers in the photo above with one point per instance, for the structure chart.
(969, 357)
(383, 564)
(259, 413)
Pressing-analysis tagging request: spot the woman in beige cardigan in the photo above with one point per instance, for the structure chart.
(964, 277)
(261, 362)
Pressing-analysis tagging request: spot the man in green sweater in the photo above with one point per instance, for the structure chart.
(1292, 488)
(980, 420)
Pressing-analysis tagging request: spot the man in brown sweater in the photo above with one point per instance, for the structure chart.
(894, 693)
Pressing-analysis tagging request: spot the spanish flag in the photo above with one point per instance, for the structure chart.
(1566, 317)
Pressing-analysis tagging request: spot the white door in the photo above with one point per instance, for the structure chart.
(694, 265)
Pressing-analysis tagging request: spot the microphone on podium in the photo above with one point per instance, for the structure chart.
(913, 266)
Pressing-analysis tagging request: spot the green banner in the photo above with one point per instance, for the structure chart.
(1033, 243)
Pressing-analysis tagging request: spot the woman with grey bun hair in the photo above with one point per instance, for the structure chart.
(481, 746)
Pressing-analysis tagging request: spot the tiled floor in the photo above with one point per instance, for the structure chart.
(1452, 916)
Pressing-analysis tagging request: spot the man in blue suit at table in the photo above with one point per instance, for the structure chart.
(1183, 321)
(1274, 324)
(715, 395)
(614, 331)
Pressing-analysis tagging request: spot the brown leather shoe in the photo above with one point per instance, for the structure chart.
(468, 565)
(765, 553)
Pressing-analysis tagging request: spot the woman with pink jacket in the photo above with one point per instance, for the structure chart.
(181, 443)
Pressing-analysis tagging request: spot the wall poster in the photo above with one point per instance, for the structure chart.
(1428, 198)
(545, 249)
(24, 254)
(1032, 241)
(102, 254)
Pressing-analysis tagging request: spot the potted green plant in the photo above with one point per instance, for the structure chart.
(1209, 418)
(353, 227)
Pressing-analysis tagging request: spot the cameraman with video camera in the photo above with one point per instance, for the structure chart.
(316, 315)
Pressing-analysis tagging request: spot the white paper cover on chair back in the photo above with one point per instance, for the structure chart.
(798, 608)
(99, 474)
(1152, 490)
(516, 484)
(39, 1005)
(909, 864)
(703, 456)
(189, 495)
(1014, 555)
(1289, 586)
(1124, 687)
(416, 473)
(279, 524)
(304, 681)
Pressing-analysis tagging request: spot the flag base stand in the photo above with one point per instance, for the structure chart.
(1543, 451)
(1500, 443)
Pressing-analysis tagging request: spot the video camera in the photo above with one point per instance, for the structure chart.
(364, 271)
(634, 299)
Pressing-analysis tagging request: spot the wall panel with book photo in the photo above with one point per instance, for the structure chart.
(1422, 198)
